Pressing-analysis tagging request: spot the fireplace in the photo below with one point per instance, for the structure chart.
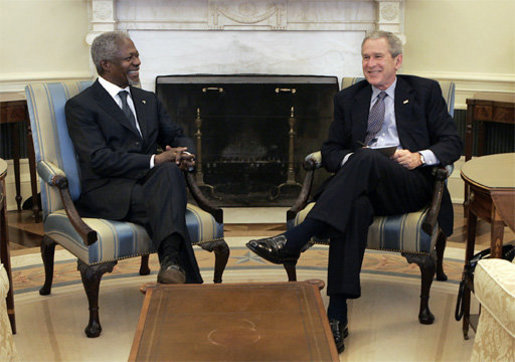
(252, 131)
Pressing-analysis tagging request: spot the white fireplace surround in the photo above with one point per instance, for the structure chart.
(319, 37)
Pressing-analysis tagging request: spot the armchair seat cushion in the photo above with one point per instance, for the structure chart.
(394, 233)
(119, 239)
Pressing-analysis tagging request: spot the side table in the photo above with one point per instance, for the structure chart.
(4, 245)
(490, 184)
(13, 109)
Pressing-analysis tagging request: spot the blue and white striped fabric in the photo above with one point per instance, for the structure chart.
(55, 156)
(393, 233)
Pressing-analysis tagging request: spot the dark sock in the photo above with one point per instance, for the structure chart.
(337, 308)
(299, 235)
(169, 248)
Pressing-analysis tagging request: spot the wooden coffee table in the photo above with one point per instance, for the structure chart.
(234, 322)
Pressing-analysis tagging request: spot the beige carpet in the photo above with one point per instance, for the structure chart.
(383, 323)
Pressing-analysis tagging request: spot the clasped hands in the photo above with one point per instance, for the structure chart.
(179, 155)
(405, 158)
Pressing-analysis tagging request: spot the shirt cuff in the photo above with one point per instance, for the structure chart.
(152, 161)
(429, 157)
(346, 158)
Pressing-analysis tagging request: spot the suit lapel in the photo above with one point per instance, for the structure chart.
(404, 103)
(107, 103)
(360, 111)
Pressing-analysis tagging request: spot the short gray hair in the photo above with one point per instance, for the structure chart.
(106, 47)
(394, 43)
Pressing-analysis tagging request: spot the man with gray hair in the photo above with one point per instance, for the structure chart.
(406, 112)
(116, 129)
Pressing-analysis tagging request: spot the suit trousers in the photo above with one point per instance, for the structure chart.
(158, 202)
(368, 184)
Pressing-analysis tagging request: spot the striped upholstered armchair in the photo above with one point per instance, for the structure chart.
(415, 235)
(97, 243)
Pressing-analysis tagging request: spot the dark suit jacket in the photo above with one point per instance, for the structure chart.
(422, 123)
(112, 155)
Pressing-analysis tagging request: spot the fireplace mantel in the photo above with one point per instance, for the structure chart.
(242, 36)
(312, 15)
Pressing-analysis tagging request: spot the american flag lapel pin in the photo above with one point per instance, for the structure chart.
(405, 101)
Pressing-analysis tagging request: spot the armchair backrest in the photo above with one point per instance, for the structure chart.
(448, 90)
(52, 144)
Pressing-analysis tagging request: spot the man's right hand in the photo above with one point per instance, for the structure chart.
(170, 155)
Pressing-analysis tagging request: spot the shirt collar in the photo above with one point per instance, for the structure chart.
(390, 91)
(112, 88)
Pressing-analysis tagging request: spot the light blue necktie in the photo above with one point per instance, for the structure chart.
(375, 118)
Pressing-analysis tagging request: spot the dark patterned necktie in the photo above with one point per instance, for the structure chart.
(375, 118)
(126, 109)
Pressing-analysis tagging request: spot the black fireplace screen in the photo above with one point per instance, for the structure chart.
(252, 131)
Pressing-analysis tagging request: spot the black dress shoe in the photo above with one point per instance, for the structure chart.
(340, 332)
(273, 250)
(171, 273)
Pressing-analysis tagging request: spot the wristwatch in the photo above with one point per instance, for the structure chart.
(422, 159)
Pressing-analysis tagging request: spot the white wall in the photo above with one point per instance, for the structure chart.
(42, 39)
(469, 41)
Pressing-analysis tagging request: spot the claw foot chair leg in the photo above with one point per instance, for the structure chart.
(91, 276)
(440, 248)
(427, 267)
(47, 254)
(291, 271)
(144, 269)
(222, 252)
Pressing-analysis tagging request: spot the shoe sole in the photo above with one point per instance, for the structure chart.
(171, 277)
(267, 256)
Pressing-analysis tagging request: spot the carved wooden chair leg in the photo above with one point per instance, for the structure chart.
(291, 270)
(440, 248)
(47, 254)
(426, 264)
(221, 250)
(144, 269)
(91, 276)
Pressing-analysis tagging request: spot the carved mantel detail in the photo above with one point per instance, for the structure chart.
(329, 15)
(241, 13)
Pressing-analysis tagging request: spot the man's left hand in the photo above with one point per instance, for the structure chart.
(186, 161)
(405, 158)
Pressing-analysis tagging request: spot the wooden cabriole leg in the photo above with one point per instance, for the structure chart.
(91, 276)
(221, 250)
(144, 269)
(47, 254)
(440, 248)
(427, 267)
(291, 270)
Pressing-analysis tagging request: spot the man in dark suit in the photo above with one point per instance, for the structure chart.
(384, 110)
(116, 129)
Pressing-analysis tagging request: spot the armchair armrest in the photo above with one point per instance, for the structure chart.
(441, 175)
(201, 200)
(56, 177)
(312, 162)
